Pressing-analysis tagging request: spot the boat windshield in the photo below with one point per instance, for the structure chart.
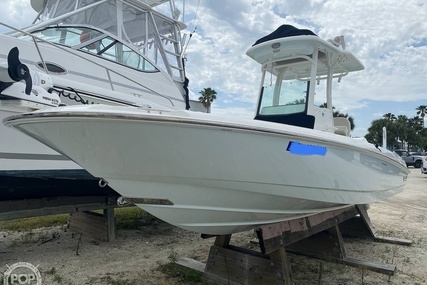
(282, 97)
(150, 27)
(96, 43)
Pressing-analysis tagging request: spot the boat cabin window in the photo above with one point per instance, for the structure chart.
(98, 44)
(67, 36)
(284, 99)
(114, 50)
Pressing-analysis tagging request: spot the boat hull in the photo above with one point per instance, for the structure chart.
(217, 177)
(20, 153)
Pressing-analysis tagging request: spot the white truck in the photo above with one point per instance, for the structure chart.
(410, 160)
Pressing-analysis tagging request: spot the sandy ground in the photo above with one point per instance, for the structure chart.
(134, 257)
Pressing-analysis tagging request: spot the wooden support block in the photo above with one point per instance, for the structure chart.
(200, 267)
(355, 227)
(90, 223)
(363, 212)
(243, 268)
(393, 240)
(325, 245)
(111, 223)
(388, 269)
(280, 256)
(52, 205)
(272, 237)
(329, 246)
(222, 241)
(317, 236)
(361, 226)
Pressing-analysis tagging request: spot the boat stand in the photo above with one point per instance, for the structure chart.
(82, 218)
(318, 236)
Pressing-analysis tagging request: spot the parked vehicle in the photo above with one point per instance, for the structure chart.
(424, 166)
(410, 159)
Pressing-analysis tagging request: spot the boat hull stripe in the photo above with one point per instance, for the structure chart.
(31, 156)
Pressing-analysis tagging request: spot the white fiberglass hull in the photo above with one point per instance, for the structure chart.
(19, 152)
(214, 176)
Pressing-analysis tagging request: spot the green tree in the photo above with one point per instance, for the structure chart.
(421, 111)
(208, 95)
(401, 127)
(402, 132)
(375, 132)
(390, 117)
(414, 128)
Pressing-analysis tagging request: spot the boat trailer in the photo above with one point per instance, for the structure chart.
(319, 236)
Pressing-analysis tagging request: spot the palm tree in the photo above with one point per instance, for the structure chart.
(208, 96)
(402, 129)
(375, 132)
(390, 117)
(421, 111)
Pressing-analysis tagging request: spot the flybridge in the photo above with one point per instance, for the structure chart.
(151, 26)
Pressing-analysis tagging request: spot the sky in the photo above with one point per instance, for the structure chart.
(388, 36)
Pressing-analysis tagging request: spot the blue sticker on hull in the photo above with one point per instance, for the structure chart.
(306, 149)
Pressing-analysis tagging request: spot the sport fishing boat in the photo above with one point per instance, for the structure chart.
(115, 52)
(221, 175)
